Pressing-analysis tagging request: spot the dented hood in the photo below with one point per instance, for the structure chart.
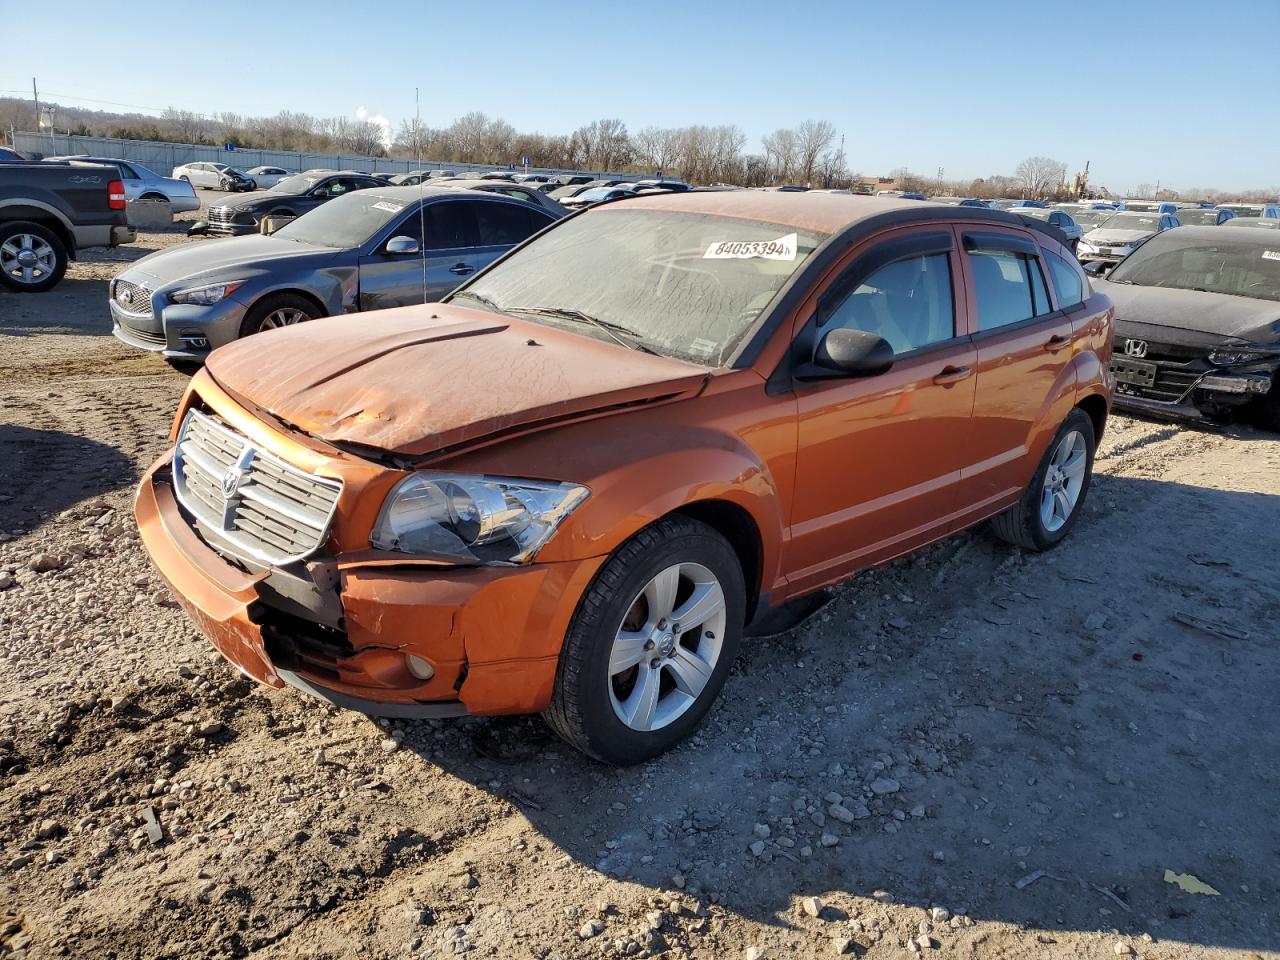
(417, 380)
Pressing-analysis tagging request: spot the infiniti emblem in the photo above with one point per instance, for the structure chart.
(1135, 348)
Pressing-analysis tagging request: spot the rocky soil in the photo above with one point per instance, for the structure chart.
(971, 753)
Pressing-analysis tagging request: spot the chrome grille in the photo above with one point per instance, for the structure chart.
(133, 298)
(258, 505)
(220, 215)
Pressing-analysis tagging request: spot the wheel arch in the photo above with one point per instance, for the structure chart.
(739, 527)
(1096, 407)
(302, 292)
(43, 217)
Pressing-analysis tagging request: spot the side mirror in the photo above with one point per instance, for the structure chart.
(403, 247)
(1096, 268)
(847, 353)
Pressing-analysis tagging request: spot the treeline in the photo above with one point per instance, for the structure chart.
(809, 154)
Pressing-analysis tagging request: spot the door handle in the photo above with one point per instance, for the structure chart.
(1056, 343)
(461, 269)
(952, 374)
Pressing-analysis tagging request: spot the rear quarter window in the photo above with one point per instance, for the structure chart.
(1068, 282)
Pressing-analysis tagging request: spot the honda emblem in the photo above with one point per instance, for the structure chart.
(1135, 348)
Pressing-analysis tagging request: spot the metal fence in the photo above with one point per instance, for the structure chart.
(163, 157)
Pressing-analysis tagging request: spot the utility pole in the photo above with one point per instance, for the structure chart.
(36, 97)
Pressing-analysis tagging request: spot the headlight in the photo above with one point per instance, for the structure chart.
(474, 520)
(1231, 358)
(204, 296)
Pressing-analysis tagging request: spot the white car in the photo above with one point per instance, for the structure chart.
(213, 176)
(264, 178)
(1121, 233)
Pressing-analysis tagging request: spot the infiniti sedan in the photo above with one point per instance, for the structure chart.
(363, 251)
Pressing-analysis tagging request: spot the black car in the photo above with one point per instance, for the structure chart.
(291, 197)
(1198, 324)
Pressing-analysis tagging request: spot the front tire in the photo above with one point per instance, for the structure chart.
(32, 258)
(1053, 500)
(283, 310)
(634, 679)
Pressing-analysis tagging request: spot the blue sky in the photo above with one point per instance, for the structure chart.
(1176, 92)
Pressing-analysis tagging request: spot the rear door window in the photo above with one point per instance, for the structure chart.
(505, 224)
(1009, 287)
(450, 225)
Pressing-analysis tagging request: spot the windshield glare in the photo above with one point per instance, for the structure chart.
(1241, 211)
(1130, 221)
(295, 185)
(1195, 217)
(685, 285)
(347, 221)
(1091, 218)
(1240, 269)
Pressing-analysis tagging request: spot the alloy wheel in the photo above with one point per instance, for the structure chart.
(284, 317)
(26, 258)
(1063, 481)
(667, 646)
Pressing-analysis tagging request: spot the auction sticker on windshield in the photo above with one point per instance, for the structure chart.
(387, 206)
(1271, 254)
(784, 248)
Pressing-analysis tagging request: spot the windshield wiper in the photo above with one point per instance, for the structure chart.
(479, 298)
(612, 329)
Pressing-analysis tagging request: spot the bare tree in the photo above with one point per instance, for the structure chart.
(187, 124)
(812, 138)
(780, 152)
(1040, 176)
(604, 144)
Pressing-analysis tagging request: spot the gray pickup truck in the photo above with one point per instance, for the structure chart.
(50, 211)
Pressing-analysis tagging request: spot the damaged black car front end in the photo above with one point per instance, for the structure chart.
(1198, 325)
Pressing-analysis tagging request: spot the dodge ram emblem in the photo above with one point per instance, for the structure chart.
(1135, 348)
(231, 480)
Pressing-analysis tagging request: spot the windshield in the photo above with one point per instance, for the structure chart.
(1238, 268)
(1088, 219)
(1038, 212)
(1130, 221)
(347, 221)
(295, 185)
(1196, 217)
(686, 285)
(596, 193)
(1243, 211)
(1141, 206)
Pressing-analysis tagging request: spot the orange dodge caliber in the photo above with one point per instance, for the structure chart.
(573, 485)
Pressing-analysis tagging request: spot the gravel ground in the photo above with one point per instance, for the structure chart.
(973, 752)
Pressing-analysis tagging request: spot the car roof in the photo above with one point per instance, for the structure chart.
(409, 194)
(1246, 234)
(821, 212)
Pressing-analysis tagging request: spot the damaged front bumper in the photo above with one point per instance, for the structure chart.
(368, 632)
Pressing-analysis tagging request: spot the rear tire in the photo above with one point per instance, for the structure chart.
(282, 310)
(32, 258)
(620, 644)
(1036, 521)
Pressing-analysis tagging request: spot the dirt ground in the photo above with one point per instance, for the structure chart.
(970, 753)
